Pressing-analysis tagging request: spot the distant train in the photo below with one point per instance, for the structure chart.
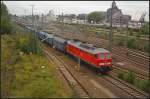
(97, 57)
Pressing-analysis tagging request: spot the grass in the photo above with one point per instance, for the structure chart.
(132, 79)
(31, 80)
(31, 76)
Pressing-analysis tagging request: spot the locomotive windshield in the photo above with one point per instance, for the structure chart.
(102, 56)
(108, 56)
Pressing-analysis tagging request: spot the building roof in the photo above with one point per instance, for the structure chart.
(88, 47)
(116, 12)
(114, 4)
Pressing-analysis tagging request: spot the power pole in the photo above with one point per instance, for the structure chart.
(110, 33)
(25, 14)
(62, 23)
(34, 40)
(32, 16)
(42, 22)
(85, 19)
(127, 33)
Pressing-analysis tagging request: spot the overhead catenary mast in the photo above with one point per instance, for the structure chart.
(34, 41)
(62, 23)
(110, 33)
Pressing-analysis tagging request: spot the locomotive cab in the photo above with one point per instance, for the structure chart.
(104, 60)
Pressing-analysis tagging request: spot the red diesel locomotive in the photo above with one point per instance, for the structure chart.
(97, 57)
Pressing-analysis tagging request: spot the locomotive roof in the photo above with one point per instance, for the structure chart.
(92, 50)
(50, 35)
(43, 32)
(59, 39)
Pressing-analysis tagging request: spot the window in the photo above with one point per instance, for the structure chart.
(102, 56)
(108, 56)
(96, 55)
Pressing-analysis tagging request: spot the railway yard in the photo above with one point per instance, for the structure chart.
(124, 60)
(74, 56)
(83, 80)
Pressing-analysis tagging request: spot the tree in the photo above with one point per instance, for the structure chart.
(145, 29)
(6, 25)
(72, 16)
(81, 16)
(96, 16)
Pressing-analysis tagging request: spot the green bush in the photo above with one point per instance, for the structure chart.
(145, 29)
(131, 43)
(142, 84)
(146, 48)
(26, 44)
(130, 31)
(131, 78)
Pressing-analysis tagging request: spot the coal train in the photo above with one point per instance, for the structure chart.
(99, 58)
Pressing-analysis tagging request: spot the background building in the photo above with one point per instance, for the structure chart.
(118, 18)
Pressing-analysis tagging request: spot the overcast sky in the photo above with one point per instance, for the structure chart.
(133, 8)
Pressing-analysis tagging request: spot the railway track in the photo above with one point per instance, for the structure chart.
(126, 87)
(73, 82)
(133, 92)
(137, 55)
(81, 90)
(125, 70)
(134, 63)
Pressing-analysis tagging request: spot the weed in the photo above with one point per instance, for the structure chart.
(121, 41)
(131, 43)
(120, 75)
(26, 44)
(142, 84)
(131, 78)
(27, 78)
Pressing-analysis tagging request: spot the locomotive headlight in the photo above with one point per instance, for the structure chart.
(108, 63)
(101, 63)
